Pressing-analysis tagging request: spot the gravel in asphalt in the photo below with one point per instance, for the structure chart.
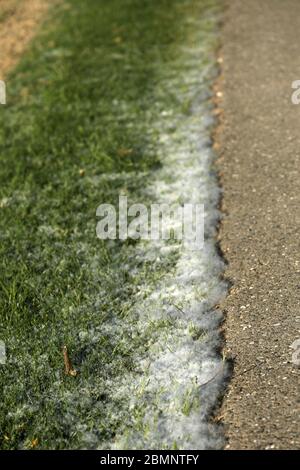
(259, 160)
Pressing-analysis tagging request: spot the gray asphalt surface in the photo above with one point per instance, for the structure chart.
(259, 164)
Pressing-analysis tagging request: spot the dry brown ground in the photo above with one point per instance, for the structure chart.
(19, 21)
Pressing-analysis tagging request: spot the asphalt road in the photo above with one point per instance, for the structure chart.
(259, 140)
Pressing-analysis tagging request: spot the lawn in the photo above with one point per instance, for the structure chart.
(79, 128)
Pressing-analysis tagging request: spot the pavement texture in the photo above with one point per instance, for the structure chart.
(259, 162)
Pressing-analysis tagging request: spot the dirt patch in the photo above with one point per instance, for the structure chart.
(19, 21)
(259, 163)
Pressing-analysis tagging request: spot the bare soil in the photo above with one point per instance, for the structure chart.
(19, 21)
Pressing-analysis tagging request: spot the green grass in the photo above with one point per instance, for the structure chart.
(83, 98)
